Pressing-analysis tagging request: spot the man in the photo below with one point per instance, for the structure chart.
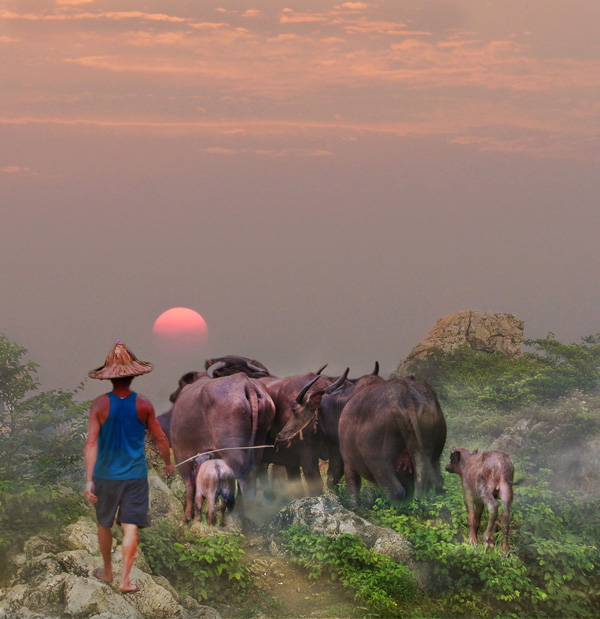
(115, 459)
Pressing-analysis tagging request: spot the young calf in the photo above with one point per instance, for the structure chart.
(486, 477)
(215, 483)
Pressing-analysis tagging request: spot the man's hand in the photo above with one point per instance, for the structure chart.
(89, 492)
(169, 470)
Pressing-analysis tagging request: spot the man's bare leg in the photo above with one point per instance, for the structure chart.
(105, 540)
(129, 548)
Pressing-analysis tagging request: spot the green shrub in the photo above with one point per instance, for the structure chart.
(478, 380)
(209, 568)
(374, 579)
(28, 509)
(549, 572)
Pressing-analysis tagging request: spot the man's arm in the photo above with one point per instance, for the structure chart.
(90, 451)
(161, 441)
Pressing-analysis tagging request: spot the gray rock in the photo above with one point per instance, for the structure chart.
(325, 516)
(82, 535)
(89, 596)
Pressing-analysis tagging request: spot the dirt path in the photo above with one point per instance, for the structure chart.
(285, 591)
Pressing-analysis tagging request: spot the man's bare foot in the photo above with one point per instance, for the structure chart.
(101, 575)
(129, 588)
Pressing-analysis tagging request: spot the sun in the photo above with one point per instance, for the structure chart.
(180, 328)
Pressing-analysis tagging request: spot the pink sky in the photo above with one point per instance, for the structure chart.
(320, 180)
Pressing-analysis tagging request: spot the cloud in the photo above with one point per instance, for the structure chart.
(15, 170)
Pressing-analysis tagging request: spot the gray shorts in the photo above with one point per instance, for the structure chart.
(128, 497)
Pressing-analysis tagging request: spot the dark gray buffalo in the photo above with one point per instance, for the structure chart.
(324, 407)
(220, 414)
(393, 433)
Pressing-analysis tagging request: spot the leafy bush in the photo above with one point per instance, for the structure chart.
(210, 568)
(41, 440)
(478, 379)
(374, 579)
(29, 508)
(549, 573)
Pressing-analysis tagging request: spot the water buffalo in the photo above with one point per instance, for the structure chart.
(486, 477)
(231, 364)
(215, 484)
(297, 455)
(219, 413)
(393, 433)
(325, 407)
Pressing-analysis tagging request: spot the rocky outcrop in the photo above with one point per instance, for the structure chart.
(52, 580)
(482, 331)
(325, 516)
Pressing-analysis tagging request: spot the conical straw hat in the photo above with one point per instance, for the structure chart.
(121, 362)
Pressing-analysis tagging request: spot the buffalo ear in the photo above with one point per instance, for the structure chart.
(189, 378)
(455, 457)
(316, 397)
(476, 451)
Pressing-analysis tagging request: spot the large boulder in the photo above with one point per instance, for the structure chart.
(53, 580)
(325, 516)
(481, 331)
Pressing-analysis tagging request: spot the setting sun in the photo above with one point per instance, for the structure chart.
(180, 327)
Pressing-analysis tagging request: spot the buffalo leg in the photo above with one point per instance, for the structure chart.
(210, 510)
(199, 504)
(388, 481)
(474, 511)
(190, 490)
(353, 482)
(506, 498)
(294, 480)
(335, 470)
(492, 506)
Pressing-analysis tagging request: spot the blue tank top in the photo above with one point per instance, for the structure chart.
(121, 442)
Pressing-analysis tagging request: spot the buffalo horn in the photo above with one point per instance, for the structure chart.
(376, 370)
(217, 366)
(300, 396)
(338, 383)
(321, 369)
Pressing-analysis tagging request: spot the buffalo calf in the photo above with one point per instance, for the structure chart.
(486, 477)
(215, 483)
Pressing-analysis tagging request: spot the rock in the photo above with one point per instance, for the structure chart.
(82, 535)
(55, 584)
(163, 503)
(88, 596)
(481, 331)
(513, 438)
(325, 516)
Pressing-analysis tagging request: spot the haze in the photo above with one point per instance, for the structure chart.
(321, 181)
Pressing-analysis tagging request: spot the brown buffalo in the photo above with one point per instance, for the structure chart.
(393, 433)
(297, 456)
(215, 484)
(486, 477)
(221, 414)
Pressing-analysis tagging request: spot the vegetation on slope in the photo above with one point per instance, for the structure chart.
(544, 407)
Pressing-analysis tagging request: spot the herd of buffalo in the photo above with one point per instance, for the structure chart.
(390, 432)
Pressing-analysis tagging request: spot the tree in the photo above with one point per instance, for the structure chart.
(40, 435)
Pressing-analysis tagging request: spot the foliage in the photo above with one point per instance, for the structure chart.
(41, 436)
(478, 379)
(209, 568)
(374, 579)
(28, 508)
(549, 572)
(41, 439)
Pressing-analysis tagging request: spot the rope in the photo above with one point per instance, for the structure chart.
(205, 453)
